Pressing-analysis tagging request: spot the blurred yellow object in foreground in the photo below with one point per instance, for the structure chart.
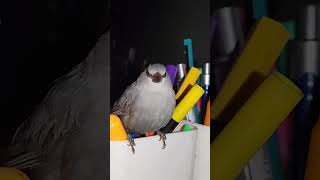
(7, 173)
(117, 131)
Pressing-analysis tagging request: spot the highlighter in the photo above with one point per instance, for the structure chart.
(313, 163)
(8, 173)
(117, 131)
(188, 82)
(252, 125)
(188, 51)
(184, 106)
(172, 72)
(252, 66)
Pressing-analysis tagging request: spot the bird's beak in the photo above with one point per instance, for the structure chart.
(157, 77)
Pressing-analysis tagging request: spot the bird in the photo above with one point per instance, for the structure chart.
(147, 104)
(57, 141)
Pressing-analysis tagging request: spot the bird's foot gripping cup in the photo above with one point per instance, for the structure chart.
(163, 138)
(131, 143)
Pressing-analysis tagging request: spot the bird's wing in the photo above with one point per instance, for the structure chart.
(123, 104)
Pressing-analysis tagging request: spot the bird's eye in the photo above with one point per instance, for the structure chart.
(165, 74)
(148, 74)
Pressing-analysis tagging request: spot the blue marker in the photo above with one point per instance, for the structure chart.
(188, 51)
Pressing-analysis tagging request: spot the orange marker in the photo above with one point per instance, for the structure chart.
(207, 117)
(313, 163)
(117, 131)
(150, 133)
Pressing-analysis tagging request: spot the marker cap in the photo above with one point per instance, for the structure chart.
(185, 105)
(117, 131)
(190, 80)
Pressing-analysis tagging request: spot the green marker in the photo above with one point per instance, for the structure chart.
(187, 127)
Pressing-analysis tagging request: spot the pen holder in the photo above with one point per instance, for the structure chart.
(186, 157)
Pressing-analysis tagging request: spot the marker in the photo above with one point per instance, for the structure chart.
(252, 125)
(188, 51)
(187, 127)
(181, 73)
(313, 163)
(117, 131)
(253, 65)
(172, 72)
(184, 106)
(188, 82)
(151, 133)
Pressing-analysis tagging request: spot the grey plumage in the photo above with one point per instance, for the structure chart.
(67, 134)
(147, 105)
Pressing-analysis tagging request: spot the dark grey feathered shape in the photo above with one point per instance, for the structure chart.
(67, 134)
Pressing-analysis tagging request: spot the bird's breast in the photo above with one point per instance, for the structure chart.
(152, 110)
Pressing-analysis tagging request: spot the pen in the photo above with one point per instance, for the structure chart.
(227, 40)
(188, 51)
(205, 85)
(304, 70)
(181, 73)
(184, 106)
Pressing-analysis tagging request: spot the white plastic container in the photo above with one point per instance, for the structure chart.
(186, 157)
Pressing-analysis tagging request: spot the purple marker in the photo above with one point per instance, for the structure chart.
(172, 71)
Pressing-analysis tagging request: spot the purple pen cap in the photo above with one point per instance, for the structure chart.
(182, 71)
(172, 71)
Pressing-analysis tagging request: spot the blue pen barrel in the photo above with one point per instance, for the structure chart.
(305, 117)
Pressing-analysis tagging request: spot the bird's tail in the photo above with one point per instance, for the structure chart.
(23, 160)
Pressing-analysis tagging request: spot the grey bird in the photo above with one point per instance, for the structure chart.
(66, 137)
(147, 104)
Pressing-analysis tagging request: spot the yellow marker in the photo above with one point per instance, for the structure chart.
(117, 131)
(7, 173)
(258, 56)
(188, 101)
(184, 106)
(313, 164)
(207, 117)
(189, 81)
(252, 125)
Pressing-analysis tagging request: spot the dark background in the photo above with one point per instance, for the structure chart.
(39, 42)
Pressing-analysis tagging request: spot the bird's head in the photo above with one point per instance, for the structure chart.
(156, 73)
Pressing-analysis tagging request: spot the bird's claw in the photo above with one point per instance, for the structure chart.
(131, 143)
(163, 138)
